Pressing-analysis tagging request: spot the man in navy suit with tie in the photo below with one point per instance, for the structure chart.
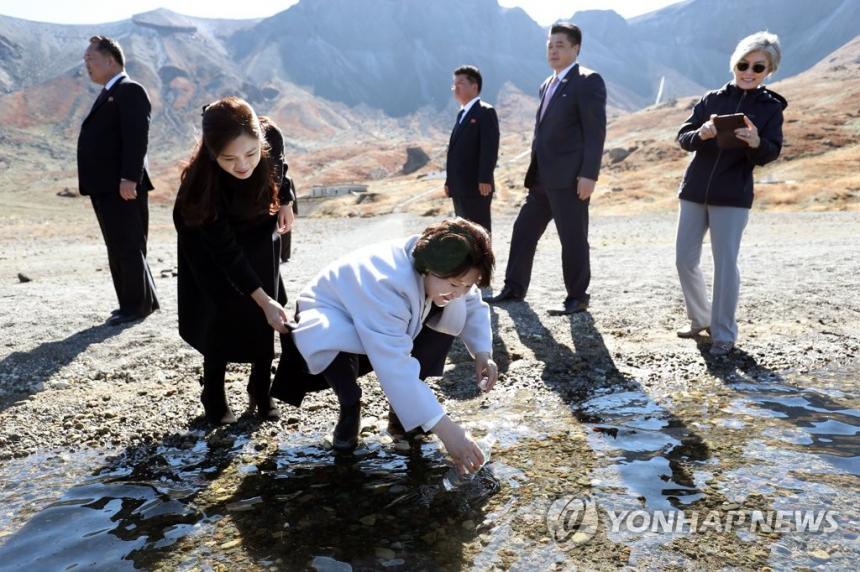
(112, 172)
(472, 150)
(570, 129)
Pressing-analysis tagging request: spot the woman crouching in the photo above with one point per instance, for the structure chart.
(395, 308)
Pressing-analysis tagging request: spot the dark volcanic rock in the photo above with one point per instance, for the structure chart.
(415, 159)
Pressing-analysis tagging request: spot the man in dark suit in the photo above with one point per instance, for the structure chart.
(472, 150)
(570, 128)
(112, 171)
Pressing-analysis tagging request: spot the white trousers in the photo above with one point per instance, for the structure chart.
(726, 225)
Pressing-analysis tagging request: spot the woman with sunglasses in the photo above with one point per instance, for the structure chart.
(232, 206)
(717, 190)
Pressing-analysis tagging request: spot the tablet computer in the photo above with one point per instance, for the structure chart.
(726, 125)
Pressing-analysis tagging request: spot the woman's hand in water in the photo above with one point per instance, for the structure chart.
(464, 452)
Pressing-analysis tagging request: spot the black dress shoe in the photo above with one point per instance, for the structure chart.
(571, 306)
(345, 436)
(506, 295)
(124, 318)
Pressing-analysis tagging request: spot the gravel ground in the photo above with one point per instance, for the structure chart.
(69, 382)
(91, 384)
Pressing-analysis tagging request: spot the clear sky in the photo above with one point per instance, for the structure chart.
(100, 11)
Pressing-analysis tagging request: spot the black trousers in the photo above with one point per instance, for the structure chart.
(125, 226)
(475, 208)
(215, 371)
(292, 380)
(571, 221)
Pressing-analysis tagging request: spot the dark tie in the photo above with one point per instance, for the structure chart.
(547, 98)
(99, 99)
(456, 124)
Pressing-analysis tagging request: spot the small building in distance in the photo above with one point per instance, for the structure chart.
(320, 191)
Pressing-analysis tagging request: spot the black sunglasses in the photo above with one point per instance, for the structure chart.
(744, 66)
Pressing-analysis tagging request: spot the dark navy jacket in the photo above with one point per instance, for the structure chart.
(724, 177)
(113, 140)
(473, 151)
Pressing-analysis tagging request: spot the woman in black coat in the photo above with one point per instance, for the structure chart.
(717, 190)
(230, 211)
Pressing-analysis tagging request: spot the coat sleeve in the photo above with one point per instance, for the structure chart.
(134, 115)
(592, 103)
(219, 239)
(770, 144)
(477, 333)
(489, 145)
(688, 136)
(381, 315)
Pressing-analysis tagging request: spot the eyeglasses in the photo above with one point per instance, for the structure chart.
(744, 66)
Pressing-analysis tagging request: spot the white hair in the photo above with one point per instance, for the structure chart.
(758, 42)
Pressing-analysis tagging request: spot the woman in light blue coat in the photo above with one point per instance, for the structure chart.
(395, 308)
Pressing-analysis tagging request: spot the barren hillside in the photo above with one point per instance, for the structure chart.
(643, 165)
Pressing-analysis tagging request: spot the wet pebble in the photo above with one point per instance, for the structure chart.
(384, 553)
(326, 564)
(231, 544)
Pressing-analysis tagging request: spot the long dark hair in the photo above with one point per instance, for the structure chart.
(224, 121)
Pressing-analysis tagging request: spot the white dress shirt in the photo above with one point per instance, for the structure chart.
(563, 73)
(114, 79)
(468, 106)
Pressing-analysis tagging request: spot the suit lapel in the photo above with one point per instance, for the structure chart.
(541, 92)
(559, 91)
(473, 111)
(104, 97)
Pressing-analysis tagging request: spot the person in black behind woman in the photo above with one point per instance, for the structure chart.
(112, 171)
(231, 205)
(473, 150)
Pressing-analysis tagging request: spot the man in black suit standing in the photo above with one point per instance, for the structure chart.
(570, 128)
(472, 150)
(112, 171)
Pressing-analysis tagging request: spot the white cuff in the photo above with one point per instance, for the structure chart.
(428, 426)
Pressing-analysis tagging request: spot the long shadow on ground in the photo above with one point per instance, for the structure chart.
(36, 366)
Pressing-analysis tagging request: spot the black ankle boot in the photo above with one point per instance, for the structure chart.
(396, 430)
(346, 431)
(264, 405)
(259, 398)
(395, 427)
(215, 408)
